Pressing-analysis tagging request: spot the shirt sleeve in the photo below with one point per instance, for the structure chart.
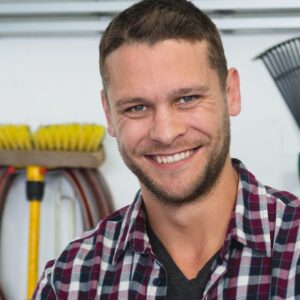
(44, 289)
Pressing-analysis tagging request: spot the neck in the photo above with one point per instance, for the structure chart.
(192, 225)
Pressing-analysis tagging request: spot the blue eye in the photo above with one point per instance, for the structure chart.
(186, 99)
(137, 108)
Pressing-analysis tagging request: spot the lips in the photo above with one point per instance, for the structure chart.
(167, 159)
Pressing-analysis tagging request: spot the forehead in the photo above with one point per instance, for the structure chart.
(170, 62)
(161, 51)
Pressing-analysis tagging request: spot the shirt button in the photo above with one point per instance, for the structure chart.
(158, 281)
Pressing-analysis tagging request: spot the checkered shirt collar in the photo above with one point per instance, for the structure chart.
(133, 230)
(249, 224)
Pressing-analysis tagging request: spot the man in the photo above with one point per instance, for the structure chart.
(201, 226)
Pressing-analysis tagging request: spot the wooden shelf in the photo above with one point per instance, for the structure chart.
(52, 159)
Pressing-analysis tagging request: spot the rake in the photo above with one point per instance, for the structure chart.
(283, 63)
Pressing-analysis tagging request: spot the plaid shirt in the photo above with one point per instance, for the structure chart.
(260, 258)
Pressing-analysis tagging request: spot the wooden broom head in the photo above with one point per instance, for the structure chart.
(53, 146)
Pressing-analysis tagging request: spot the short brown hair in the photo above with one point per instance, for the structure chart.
(151, 21)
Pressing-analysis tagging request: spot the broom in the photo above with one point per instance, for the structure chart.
(69, 145)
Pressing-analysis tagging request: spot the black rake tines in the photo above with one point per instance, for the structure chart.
(283, 63)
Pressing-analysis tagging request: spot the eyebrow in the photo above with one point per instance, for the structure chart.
(130, 101)
(187, 90)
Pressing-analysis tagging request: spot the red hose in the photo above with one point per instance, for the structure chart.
(6, 180)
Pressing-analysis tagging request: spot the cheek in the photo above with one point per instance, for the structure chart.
(203, 122)
(131, 132)
(206, 124)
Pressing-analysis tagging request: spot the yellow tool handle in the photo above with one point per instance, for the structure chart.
(34, 191)
(33, 249)
(35, 173)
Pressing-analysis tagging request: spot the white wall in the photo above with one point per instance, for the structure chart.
(56, 79)
(48, 80)
(264, 136)
(53, 80)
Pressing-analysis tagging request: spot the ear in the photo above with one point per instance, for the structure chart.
(107, 111)
(233, 92)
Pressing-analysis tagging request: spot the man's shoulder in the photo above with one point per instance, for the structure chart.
(95, 251)
(256, 190)
(103, 238)
(284, 220)
(287, 198)
(104, 227)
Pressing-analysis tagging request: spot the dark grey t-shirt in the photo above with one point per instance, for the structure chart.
(178, 286)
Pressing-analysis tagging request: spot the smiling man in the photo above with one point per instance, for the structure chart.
(201, 226)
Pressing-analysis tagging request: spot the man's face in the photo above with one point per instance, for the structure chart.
(170, 116)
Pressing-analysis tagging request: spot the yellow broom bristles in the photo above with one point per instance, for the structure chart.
(69, 137)
(15, 137)
(63, 137)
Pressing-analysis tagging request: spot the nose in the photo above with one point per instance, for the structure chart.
(167, 126)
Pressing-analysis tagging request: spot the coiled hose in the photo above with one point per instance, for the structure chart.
(90, 188)
(7, 176)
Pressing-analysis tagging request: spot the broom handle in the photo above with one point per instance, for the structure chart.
(33, 246)
(34, 191)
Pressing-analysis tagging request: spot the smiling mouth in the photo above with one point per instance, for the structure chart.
(168, 159)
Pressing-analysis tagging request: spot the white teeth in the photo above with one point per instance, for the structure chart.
(177, 157)
(172, 158)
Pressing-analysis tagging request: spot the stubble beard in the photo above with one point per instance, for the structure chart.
(205, 180)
